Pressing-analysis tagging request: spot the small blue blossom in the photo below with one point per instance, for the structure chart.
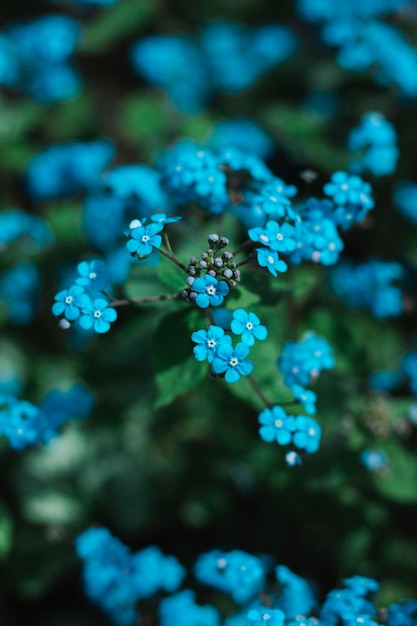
(374, 460)
(162, 218)
(93, 274)
(292, 459)
(306, 398)
(98, 316)
(69, 302)
(267, 617)
(270, 259)
(276, 425)
(249, 326)
(352, 197)
(308, 434)
(232, 362)
(208, 342)
(210, 291)
(361, 585)
(144, 239)
(296, 596)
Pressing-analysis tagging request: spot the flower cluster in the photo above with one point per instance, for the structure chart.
(34, 58)
(215, 346)
(237, 573)
(20, 287)
(351, 197)
(300, 362)
(115, 578)
(243, 134)
(300, 431)
(211, 278)
(16, 224)
(350, 602)
(370, 285)
(225, 57)
(376, 141)
(297, 597)
(24, 424)
(85, 302)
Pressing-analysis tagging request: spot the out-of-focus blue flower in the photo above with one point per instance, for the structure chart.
(369, 286)
(405, 199)
(409, 367)
(19, 288)
(182, 609)
(351, 196)
(402, 614)
(385, 380)
(53, 84)
(306, 398)
(175, 63)
(93, 274)
(15, 224)
(276, 425)
(300, 362)
(63, 170)
(138, 186)
(375, 138)
(9, 63)
(265, 617)
(238, 573)
(243, 134)
(87, 3)
(307, 434)
(59, 406)
(317, 238)
(296, 596)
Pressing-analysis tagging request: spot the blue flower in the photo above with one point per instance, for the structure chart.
(162, 218)
(232, 362)
(93, 274)
(70, 302)
(306, 398)
(282, 237)
(266, 617)
(208, 342)
(292, 459)
(270, 259)
(249, 326)
(144, 239)
(307, 435)
(210, 291)
(276, 425)
(374, 460)
(98, 315)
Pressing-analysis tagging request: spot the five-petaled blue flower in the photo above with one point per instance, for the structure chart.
(98, 316)
(265, 617)
(69, 302)
(308, 434)
(276, 425)
(281, 236)
(232, 362)
(249, 326)
(93, 274)
(208, 342)
(210, 291)
(144, 239)
(270, 259)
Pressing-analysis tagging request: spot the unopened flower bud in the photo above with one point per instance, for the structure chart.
(213, 238)
(226, 256)
(202, 264)
(212, 273)
(190, 281)
(224, 241)
(218, 262)
(228, 273)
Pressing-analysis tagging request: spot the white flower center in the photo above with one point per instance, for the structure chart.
(211, 343)
(332, 246)
(311, 432)
(345, 186)
(264, 238)
(266, 616)
(233, 361)
(211, 290)
(294, 370)
(249, 325)
(221, 563)
(97, 314)
(280, 237)
(68, 300)
(270, 260)
(317, 353)
(278, 423)
(92, 275)
(145, 238)
(316, 228)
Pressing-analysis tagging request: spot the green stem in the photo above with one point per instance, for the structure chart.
(167, 296)
(168, 243)
(258, 391)
(174, 259)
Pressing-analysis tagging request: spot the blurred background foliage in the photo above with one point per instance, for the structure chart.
(173, 460)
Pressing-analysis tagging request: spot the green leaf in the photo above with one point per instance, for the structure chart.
(124, 19)
(399, 482)
(6, 531)
(143, 117)
(240, 297)
(178, 380)
(172, 340)
(171, 275)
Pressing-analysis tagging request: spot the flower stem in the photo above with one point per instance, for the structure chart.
(167, 296)
(168, 243)
(244, 245)
(174, 259)
(258, 391)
